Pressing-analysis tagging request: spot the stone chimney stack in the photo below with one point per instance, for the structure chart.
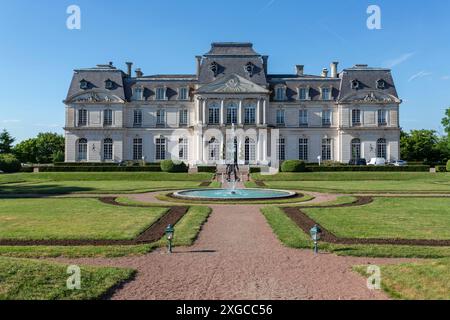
(199, 64)
(265, 60)
(334, 69)
(324, 72)
(300, 69)
(129, 68)
(139, 73)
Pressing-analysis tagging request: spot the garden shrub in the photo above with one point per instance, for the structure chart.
(100, 169)
(173, 167)
(368, 169)
(293, 166)
(448, 166)
(441, 169)
(207, 169)
(9, 163)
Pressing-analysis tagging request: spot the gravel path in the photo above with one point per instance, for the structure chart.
(237, 256)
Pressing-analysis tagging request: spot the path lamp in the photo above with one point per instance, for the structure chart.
(320, 160)
(316, 233)
(169, 233)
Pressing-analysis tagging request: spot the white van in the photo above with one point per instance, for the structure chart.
(377, 162)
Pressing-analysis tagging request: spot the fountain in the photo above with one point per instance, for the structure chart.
(233, 176)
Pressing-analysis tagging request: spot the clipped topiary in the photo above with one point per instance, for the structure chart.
(9, 163)
(173, 167)
(293, 166)
(448, 166)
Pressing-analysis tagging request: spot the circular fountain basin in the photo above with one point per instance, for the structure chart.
(238, 194)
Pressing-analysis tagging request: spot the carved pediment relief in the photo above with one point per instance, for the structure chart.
(371, 97)
(95, 97)
(232, 84)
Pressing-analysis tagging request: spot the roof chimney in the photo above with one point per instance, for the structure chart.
(324, 72)
(129, 68)
(139, 73)
(199, 63)
(300, 69)
(334, 69)
(265, 60)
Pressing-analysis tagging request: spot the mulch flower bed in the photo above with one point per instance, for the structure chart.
(154, 233)
(306, 223)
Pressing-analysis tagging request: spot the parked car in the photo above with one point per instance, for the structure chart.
(400, 163)
(377, 162)
(358, 162)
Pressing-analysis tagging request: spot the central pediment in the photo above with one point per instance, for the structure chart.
(232, 84)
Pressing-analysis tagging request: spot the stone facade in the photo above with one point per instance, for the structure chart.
(113, 116)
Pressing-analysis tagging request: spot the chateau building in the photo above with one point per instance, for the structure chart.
(113, 115)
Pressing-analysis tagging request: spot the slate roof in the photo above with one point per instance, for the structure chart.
(232, 49)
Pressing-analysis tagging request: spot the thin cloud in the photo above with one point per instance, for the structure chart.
(267, 6)
(395, 62)
(43, 125)
(445, 78)
(11, 121)
(419, 75)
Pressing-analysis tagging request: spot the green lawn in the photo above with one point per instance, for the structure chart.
(37, 280)
(405, 218)
(416, 281)
(292, 236)
(360, 182)
(43, 219)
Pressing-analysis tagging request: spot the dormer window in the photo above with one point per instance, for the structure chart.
(161, 93)
(355, 84)
(214, 68)
(249, 68)
(138, 93)
(280, 93)
(183, 93)
(303, 93)
(326, 93)
(109, 84)
(381, 84)
(84, 84)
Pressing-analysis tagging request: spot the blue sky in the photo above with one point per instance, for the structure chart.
(38, 52)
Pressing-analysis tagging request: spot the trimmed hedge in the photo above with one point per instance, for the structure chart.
(255, 170)
(99, 169)
(9, 163)
(293, 166)
(448, 165)
(173, 167)
(207, 169)
(102, 164)
(370, 169)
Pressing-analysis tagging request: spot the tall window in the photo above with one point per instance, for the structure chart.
(82, 117)
(280, 93)
(161, 117)
(107, 149)
(326, 94)
(213, 150)
(214, 114)
(303, 118)
(382, 148)
(382, 117)
(82, 145)
(231, 114)
(183, 117)
(326, 118)
(160, 148)
(183, 94)
(356, 117)
(250, 150)
(280, 117)
(303, 149)
(108, 117)
(302, 94)
(326, 149)
(183, 149)
(281, 149)
(250, 115)
(137, 118)
(137, 149)
(356, 149)
(161, 93)
(138, 93)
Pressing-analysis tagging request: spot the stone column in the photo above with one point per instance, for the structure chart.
(199, 110)
(265, 112)
(205, 120)
(240, 122)
(222, 110)
(258, 112)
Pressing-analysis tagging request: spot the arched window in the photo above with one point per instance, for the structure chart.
(183, 149)
(232, 114)
(382, 148)
(160, 148)
(326, 149)
(281, 148)
(250, 150)
(107, 149)
(356, 149)
(213, 150)
(82, 149)
(137, 149)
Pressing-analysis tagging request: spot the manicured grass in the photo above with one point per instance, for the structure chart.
(385, 218)
(292, 236)
(37, 280)
(416, 281)
(48, 219)
(360, 182)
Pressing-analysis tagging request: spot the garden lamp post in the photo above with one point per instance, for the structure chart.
(320, 160)
(169, 233)
(316, 233)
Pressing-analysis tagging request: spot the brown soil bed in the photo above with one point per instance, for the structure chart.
(155, 232)
(205, 184)
(260, 183)
(306, 223)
